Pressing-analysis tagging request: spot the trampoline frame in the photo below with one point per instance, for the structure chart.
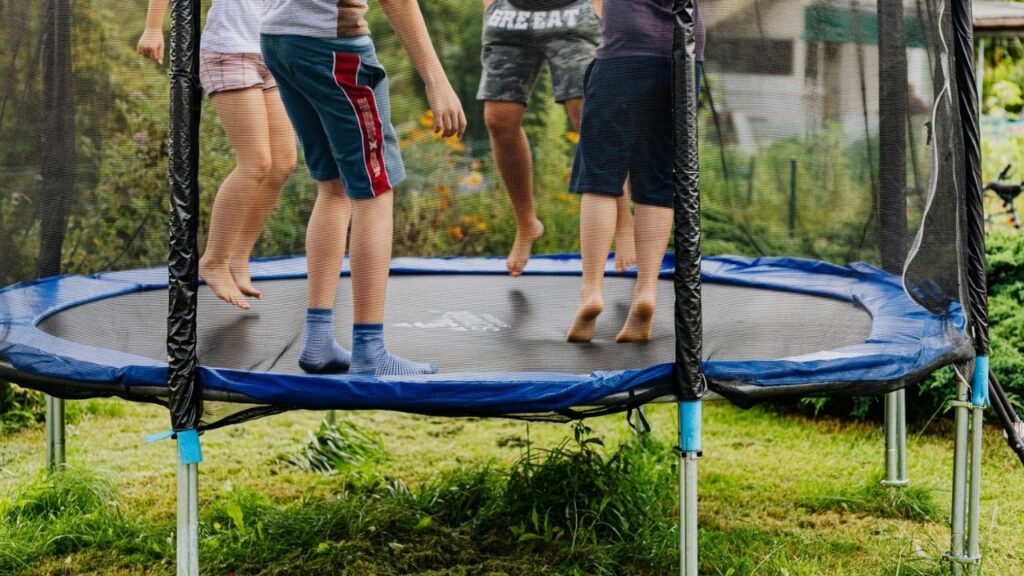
(185, 392)
(903, 343)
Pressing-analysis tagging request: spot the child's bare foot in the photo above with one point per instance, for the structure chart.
(625, 250)
(639, 323)
(520, 254)
(240, 273)
(220, 280)
(582, 328)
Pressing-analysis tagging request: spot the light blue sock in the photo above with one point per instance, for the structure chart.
(369, 356)
(321, 353)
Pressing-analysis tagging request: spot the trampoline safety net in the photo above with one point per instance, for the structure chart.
(832, 196)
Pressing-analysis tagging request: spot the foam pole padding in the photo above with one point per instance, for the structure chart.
(979, 385)
(689, 380)
(185, 403)
(690, 426)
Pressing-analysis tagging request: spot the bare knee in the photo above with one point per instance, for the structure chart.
(281, 169)
(332, 190)
(501, 121)
(257, 169)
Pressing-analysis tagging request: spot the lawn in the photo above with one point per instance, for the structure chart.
(780, 495)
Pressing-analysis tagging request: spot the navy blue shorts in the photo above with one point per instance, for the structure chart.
(336, 95)
(627, 130)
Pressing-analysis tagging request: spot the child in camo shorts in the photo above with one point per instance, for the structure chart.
(519, 37)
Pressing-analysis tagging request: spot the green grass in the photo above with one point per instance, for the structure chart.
(780, 495)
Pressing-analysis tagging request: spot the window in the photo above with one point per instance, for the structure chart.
(762, 56)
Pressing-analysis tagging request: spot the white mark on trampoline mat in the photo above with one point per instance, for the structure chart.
(458, 321)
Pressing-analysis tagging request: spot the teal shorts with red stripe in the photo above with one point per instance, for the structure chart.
(336, 95)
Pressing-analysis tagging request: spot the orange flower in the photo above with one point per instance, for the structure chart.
(455, 232)
(573, 137)
(454, 143)
(427, 119)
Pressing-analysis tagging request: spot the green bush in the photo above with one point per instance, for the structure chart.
(19, 408)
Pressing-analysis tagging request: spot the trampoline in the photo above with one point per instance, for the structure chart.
(833, 133)
(805, 327)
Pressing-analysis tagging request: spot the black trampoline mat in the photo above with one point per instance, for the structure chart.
(476, 323)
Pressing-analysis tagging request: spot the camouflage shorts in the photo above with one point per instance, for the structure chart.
(517, 42)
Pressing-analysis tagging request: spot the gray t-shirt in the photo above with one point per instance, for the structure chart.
(316, 18)
(643, 28)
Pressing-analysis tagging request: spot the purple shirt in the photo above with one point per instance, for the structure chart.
(644, 28)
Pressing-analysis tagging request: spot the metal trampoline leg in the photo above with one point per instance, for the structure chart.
(689, 454)
(979, 400)
(965, 548)
(895, 439)
(901, 436)
(956, 550)
(331, 418)
(974, 496)
(55, 457)
(188, 520)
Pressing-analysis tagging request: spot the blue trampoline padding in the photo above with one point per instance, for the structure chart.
(905, 340)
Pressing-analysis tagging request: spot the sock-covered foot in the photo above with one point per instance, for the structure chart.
(321, 353)
(369, 356)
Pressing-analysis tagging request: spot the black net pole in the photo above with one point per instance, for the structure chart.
(183, 260)
(690, 384)
(967, 101)
(892, 128)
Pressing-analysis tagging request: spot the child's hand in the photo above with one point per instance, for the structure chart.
(151, 45)
(449, 119)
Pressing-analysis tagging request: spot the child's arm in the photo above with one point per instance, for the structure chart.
(151, 44)
(407, 21)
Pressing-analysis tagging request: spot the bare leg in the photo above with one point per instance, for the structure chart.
(512, 154)
(625, 247)
(653, 225)
(244, 119)
(597, 227)
(370, 256)
(262, 202)
(325, 242)
(625, 244)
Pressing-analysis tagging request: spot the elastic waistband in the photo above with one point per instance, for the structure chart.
(340, 43)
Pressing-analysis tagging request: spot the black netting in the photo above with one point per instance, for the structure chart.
(828, 130)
